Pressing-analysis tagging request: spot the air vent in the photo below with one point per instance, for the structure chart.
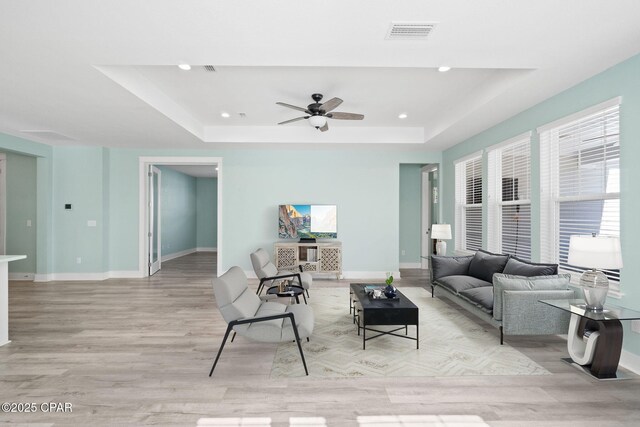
(410, 30)
(242, 115)
(48, 134)
(210, 68)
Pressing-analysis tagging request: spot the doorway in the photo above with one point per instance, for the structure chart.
(150, 208)
(430, 211)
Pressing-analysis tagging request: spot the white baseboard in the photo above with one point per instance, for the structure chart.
(203, 249)
(630, 361)
(178, 254)
(22, 277)
(410, 265)
(87, 277)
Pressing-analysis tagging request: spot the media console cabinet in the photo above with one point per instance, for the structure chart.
(319, 257)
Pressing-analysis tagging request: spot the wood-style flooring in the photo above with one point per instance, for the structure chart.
(138, 351)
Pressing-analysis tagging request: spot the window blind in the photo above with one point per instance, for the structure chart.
(469, 204)
(509, 192)
(580, 183)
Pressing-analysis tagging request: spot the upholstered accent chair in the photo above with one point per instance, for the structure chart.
(267, 272)
(257, 320)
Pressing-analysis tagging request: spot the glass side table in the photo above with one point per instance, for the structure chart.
(595, 337)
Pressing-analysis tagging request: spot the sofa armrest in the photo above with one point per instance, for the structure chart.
(522, 314)
(443, 266)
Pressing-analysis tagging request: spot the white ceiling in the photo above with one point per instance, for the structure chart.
(103, 73)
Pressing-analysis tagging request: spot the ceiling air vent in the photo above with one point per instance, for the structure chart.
(410, 30)
(48, 134)
(210, 68)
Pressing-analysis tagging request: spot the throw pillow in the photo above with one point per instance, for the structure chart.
(502, 282)
(521, 267)
(484, 264)
(443, 266)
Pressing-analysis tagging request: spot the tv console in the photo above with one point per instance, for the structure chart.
(319, 257)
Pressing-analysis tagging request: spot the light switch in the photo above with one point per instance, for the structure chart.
(92, 223)
(28, 223)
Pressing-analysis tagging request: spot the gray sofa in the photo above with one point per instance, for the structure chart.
(504, 291)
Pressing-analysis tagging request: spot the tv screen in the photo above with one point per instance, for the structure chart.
(307, 221)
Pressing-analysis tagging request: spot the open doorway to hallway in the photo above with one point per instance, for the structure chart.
(180, 210)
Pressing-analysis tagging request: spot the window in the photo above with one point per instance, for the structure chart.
(580, 182)
(509, 197)
(468, 215)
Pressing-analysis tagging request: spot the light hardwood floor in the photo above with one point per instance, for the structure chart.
(138, 352)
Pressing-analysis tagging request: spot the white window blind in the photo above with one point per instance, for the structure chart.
(580, 184)
(468, 213)
(509, 198)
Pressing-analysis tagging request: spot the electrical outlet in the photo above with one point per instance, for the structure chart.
(92, 223)
(404, 252)
(78, 260)
(28, 223)
(635, 326)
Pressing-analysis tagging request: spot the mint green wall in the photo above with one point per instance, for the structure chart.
(21, 205)
(178, 211)
(44, 194)
(363, 184)
(621, 80)
(410, 212)
(78, 179)
(207, 212)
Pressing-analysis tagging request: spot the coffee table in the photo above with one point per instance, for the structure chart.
(291, 291)
(377, 312)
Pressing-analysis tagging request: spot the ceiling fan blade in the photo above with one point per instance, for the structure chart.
(346, 116)
(293, 120)
(325, 127)
(331, 104)
(292, 106)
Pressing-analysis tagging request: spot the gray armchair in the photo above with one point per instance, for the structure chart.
(268, 272)
(263, 321)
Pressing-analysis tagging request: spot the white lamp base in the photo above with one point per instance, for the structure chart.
(441, 247)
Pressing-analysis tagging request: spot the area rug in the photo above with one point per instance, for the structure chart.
(450, 344)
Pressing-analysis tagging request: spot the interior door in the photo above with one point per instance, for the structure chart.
(430, 211)
(155, 254)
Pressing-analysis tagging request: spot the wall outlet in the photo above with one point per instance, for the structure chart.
(92, 223)
(28, 223)
(635, 326)
(78, 260)
(404, 252)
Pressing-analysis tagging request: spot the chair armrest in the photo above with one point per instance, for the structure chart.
(263, 319)
(443, 266)
(522, 314)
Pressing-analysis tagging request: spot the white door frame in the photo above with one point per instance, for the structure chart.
(425, 225)
(154, 267)
(3, 204)
(143, 218)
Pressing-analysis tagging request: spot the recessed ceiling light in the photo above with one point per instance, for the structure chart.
(444, 69)
(402, 115)
(185, 67)
(216, 168)
(225, 115)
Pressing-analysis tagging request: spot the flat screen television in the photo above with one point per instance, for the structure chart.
(307, 222)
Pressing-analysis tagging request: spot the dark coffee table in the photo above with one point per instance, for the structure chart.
(377, 312)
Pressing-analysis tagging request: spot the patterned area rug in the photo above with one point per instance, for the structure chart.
(450, 345)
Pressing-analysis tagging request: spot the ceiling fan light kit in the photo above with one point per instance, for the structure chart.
(318, 113)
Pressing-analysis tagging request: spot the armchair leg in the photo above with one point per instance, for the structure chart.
(432, 289)
(501, 336)
(226, 335)
(295, 331)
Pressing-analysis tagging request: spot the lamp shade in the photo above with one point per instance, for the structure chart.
(441, 231)
(597, 252)
(317, 121)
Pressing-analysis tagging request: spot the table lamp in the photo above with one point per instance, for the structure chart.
(596, 253)
(441, 232)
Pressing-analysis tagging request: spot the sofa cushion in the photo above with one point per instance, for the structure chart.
(443, 266)
(456, 284)
(484, 264)
(481, 297)
(502, 282)
(521, 267)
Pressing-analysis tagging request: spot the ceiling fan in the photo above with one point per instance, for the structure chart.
(318, 113)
